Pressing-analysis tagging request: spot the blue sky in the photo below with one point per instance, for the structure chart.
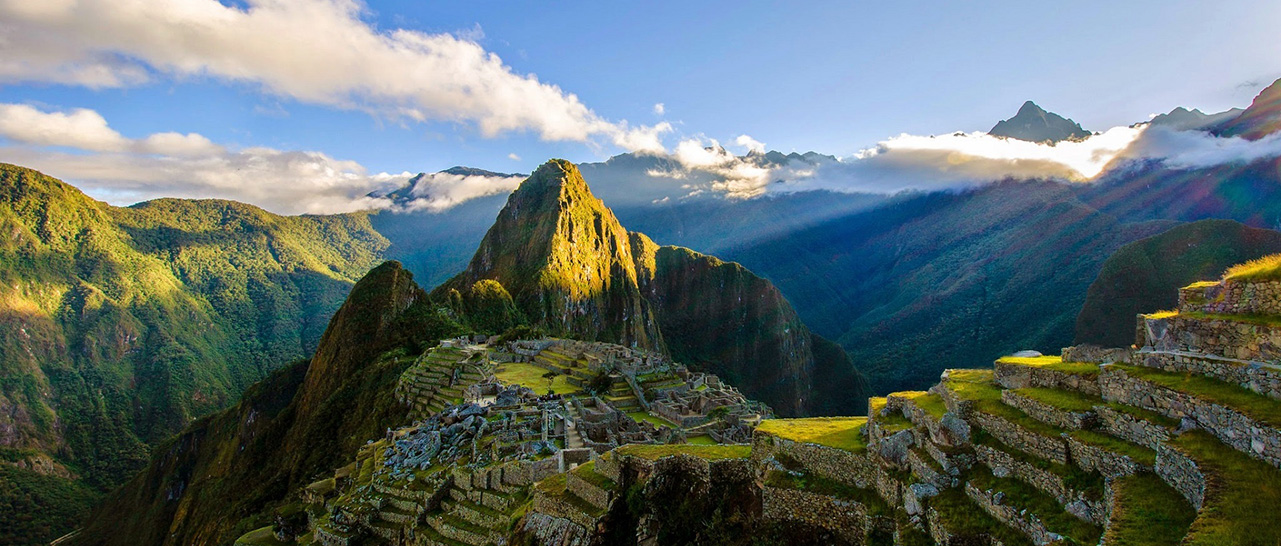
(835, 77)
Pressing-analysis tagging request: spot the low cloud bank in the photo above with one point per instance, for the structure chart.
(957, 160)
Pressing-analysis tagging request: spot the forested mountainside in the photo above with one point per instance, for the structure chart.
(120, 325)
(1144, 276)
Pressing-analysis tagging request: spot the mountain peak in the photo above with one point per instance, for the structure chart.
(1035, 124)
(1261, 118)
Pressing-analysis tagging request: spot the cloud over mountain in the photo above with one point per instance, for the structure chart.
(314, 51)
(80, 145)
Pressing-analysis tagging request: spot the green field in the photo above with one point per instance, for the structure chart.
(529, 375)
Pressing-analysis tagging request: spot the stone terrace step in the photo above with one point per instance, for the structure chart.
(1241, 494)
(954, 518)
(1049, 372)
(1083, 491)
(451, 526)
(1243, 419)
(1147, 511)
(1029, 510)
(972, 394)
(1261, 377)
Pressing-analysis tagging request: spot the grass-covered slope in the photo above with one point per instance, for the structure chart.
(221, 476)
(1144, 276)
(120, 325)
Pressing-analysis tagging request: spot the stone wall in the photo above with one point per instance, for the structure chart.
(1025, 523)
(1232, 428)
(554, 531)
(1182, 473)
(1004, 465)
(1015, 376)
(1094, 353)
(1232, 298)
(1234, 339)
(852, 469)
(1130, 428)
(846, 518)
(1017, 437)
(588, 491)
(1263, 378)
(1107, 463)
(1049, 414)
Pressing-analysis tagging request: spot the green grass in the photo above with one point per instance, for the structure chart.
(642, 416)
(1147, 513)
(529, 375)
(1241, 499)
(1054, 363)
(977, 387)
(701, 440)
(838, 432)
(1267, 268)
(1065, 400)
(711, 453)
(1202, 284)
(589, 474)
(960, 516)
(1025, 497)
(1089, 483)
(930, 403)
(893, 422)
(1252, 404)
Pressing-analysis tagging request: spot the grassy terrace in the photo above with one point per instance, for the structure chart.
(930, 403)
(1025, 497)
(529, 375)
(1257, 320)
(1148, 513)
(1054, 363)
(1241, 499)
(711, 453)
(838, 432)
(1089, 483)
(589, 474)
(960, 516)
(875, 505)
(1079, 402)
(1252, 404)
(977, 386)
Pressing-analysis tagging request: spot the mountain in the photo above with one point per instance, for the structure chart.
(304, 419)
(573, 270)
(1144, 276)
(1182, 119)
(1261, 118)
(1034, 124)
(943, 279)
(118, 326)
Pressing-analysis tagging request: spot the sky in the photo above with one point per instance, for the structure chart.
(269, 100)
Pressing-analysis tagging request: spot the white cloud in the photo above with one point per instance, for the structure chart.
(439, 191)
(512, 156)
(314, 51)
(79, 146)
(660, 109)
(750, 143)
(80, 128)
(911, 162)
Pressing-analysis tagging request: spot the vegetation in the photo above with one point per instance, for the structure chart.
(1027, 498)
(1254, 405)
(1055, 363)
(960, 516)
(929, 402)
(1241, 497)
(534, 377)
(869, 498)
(1147, 512)
(712, 452)
(1267, 268)
(838, 432)
(642, 416)
(1144, 276)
